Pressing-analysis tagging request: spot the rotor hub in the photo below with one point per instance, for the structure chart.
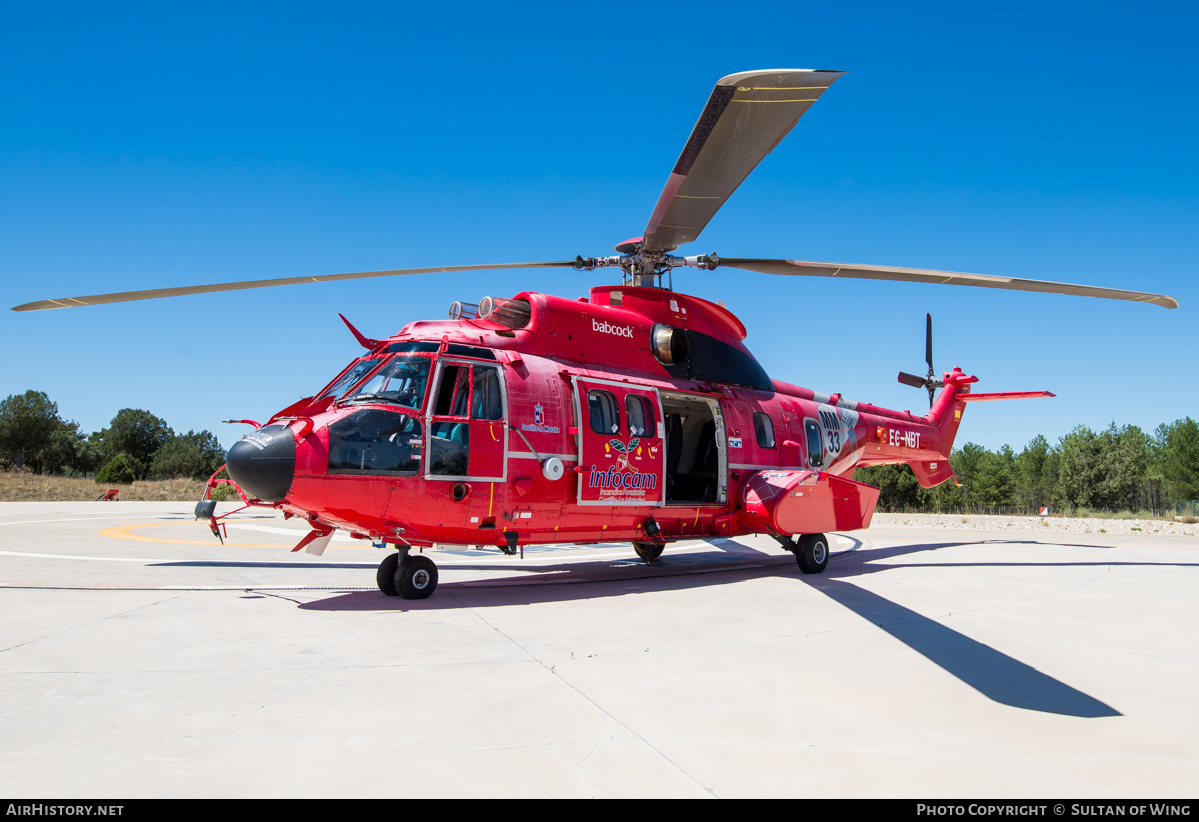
(645, 268)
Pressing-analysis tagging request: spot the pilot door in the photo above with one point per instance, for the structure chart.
(620, 443)
(465, 430)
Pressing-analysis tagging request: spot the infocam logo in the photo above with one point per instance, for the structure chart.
(619, 331)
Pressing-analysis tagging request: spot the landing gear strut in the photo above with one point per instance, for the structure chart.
(811, 551)
(404, 575)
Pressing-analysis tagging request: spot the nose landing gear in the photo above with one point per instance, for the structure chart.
(407, 576)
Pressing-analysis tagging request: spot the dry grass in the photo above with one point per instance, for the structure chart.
(27, 487)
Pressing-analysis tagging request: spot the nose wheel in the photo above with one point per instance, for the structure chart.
(648, 551)
(811, 551)
(407, 576)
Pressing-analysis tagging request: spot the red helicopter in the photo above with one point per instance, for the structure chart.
(635, 415)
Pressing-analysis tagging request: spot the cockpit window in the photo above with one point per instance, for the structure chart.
(453, 398)
(374, 441)
(351, 376)
(485, 387)
(401, 381)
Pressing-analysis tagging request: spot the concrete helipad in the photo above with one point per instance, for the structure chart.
(138, 657)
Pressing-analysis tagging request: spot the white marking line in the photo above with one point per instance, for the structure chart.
(258, 588)
(85, 519)
(543, 556)
(291, 532)
(540, 558)
(93, 559)
(550, 555)
(176, 560)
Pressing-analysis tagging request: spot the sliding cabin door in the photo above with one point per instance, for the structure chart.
(621, 443)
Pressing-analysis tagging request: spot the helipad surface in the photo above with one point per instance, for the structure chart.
(138, 657)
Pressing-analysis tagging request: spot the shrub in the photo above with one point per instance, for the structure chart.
(118, 470)
(224, 493)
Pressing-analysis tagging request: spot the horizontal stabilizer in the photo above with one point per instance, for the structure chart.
(1004, 395)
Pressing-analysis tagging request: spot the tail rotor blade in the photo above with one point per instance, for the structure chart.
(912, 380)
(928, 344)
(928, 358)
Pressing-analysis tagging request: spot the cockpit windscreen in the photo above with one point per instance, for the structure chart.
(351, 376)
(401, 381)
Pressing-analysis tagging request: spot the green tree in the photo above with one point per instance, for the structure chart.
(1123, 459)
(120, 470)
(1078, 468)
(27, 423)
(966, 464)
(993, 478)
(948, 496)
(189, 455)
(1178, 458)
(69, 452)
(898, 488)
(136, 433)
(1036, 473)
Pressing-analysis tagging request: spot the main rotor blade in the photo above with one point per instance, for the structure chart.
(745, 118)
(801, 268)
(155, 293)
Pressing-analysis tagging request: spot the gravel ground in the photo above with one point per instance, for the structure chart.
(1051, 524)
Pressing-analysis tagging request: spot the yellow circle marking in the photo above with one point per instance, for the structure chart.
(126, 532)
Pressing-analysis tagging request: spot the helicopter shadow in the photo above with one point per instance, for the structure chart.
(992, 673)
(988, 671)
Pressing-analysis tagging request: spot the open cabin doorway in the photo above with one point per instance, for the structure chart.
(696, 450)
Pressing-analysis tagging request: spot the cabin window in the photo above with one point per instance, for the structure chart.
(640, 414)
(400, 382)
(815, 446)
(604, 412)
(764, 429)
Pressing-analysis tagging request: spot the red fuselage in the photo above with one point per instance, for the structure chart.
(636, 415)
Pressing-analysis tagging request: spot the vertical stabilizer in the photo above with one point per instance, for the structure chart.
(946, 415)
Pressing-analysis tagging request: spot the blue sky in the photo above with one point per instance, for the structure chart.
(148, 146)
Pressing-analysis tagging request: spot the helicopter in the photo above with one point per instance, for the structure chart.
(636, 414)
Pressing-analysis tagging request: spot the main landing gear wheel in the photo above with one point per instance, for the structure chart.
(415, 577)
(648, 551)
(385, 577)
(811, 552)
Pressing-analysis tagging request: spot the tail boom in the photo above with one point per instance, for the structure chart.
(925, 443)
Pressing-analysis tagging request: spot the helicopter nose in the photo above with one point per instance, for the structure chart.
(264, 462)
